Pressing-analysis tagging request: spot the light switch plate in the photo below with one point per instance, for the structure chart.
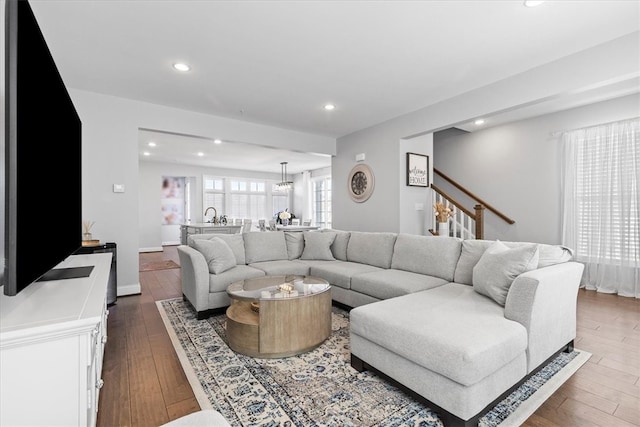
(419, 206)
(118, 188)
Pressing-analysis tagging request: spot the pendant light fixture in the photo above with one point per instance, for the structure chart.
(284, 184)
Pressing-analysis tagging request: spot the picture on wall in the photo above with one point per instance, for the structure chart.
(172, 200)
(417, 170)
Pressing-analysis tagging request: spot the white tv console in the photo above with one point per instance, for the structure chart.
(52, 338)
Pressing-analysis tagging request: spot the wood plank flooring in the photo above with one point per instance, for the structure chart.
(146, 386)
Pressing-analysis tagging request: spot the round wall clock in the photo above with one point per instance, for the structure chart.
(360, 183)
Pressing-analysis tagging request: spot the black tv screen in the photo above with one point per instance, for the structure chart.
(43, 164)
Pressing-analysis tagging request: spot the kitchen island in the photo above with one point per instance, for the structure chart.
(206, 228)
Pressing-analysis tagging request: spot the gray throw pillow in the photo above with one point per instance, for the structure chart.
(235, 242)
(217, 253)
(267, 246)
(499, 266)
(295, 244)
(317, 246)
(339, 246)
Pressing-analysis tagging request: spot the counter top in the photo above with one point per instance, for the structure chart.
(208, 225)
(280, 227)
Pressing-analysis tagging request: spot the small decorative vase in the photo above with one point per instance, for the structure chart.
(443, 229)
(87, 236)
(285, 222)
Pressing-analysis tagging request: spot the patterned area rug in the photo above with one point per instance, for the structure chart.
(320, 388)
(159, 265)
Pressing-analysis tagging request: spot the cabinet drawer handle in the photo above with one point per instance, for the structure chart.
(99, 383)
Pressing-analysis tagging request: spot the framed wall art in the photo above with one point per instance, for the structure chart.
(417, 170)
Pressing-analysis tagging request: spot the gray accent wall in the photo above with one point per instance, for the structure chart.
(616, 60)
(415, 212)
(517, 167)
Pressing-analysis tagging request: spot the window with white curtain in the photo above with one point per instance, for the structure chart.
(601, 204)
(247, 199)
(213, 194)
(321, 201)
(242, 198)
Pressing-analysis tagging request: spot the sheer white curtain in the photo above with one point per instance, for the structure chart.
(601, 204)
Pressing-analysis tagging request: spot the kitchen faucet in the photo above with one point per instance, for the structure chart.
(215, 214)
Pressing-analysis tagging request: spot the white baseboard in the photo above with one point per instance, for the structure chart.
(129, 290)
(154, 249)
(171, 243)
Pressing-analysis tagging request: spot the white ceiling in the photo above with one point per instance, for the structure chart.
(184, 149)
(279, 62)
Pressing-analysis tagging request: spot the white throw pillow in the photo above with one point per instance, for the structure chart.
(317, 246)
(217, 253)
(499, 266)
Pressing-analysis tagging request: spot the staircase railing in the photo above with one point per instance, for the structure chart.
(464, 223)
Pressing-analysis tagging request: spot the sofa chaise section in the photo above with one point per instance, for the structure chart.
(462, 350)
(448, 344)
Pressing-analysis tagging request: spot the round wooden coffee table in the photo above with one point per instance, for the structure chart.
(268, 320)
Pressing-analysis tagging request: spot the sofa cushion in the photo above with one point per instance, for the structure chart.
(317, 246)
(235, 242)
(217, 253)
(316, 263)
(371, 248)
(434, 256)
(499, 266)
(295, 244)
(472, 250)
(450, 330)
(220, 282)
(282, 267)
(339, 245)
(392, 283)
(339, 273)
(265, 246)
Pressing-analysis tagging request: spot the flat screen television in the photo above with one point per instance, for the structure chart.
(43, 164)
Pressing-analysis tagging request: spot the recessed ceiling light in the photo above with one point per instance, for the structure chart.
(329, 107)
(200, 154)
(146, 153)
(152, 144)
(217, 141)
(479, 122)
(181, 66)
(532, 3)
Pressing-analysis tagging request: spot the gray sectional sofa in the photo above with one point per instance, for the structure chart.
(456, 322)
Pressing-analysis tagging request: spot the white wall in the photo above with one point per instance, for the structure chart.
(610, 62)
(110, 156)
(150, 178)
(299, 195)
(516, 167)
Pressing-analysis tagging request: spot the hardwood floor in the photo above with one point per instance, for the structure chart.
(146, 386)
